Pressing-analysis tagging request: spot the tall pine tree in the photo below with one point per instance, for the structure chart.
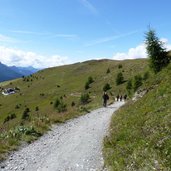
(156, 52)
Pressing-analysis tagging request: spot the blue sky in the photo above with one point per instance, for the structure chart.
(45, 33)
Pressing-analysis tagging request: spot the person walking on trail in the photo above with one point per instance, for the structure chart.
(120, 98)
(125, 97)
(105, 99)
(117, 97)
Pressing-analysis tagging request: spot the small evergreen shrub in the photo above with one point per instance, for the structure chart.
(16, 88)
(37, 108)
(107, 87)
(13, 116)
(84, 99)
(57, 103)
(87, 86)
(120, 66)
(10, 117)
(89, 81)
(60, 105)
(129, 86)
(73, 104)
(17, 106)
(119, 78)
(25, 115)
(108, 71)
(146, 75)
(137, 82)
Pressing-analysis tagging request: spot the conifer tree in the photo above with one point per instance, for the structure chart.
(129, 86)
(156, 52)
(119, 78)
(137, 82)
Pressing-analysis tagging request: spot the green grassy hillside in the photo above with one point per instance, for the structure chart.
(140, 136)
(28, 113)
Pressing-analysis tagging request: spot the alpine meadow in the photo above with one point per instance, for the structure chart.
(85, 85)
(55, 95)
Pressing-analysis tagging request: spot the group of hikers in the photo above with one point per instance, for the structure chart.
(118, 98)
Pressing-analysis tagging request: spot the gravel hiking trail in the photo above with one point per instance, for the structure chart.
(73, 146)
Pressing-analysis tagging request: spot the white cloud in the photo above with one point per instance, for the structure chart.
(139, 51)
(133, 53)
(18, 57)
(166, 43)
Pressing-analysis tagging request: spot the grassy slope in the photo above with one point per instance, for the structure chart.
(66, 82)
(140, 136)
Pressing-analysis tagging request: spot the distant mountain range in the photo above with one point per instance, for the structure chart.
(12, 72)
(24, 70)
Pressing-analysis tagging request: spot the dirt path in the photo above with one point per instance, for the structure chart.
(73, 146)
